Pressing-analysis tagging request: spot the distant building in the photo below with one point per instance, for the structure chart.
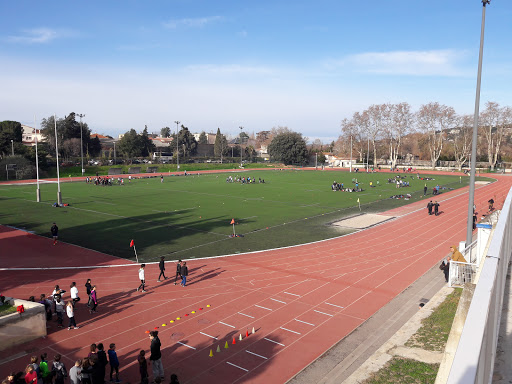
(29, 136)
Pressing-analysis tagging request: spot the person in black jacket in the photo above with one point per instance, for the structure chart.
(429, 207)
(162, 269)
(102, 360)
(156, 356)
(184, 274)
(55, 233)
(436, 208)
(178, 271)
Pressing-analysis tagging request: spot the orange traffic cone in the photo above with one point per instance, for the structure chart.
(247, 333)
(234, 341)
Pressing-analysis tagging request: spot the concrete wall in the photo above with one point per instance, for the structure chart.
(19, 328)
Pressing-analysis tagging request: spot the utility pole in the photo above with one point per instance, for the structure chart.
(59, 194)
(80, 115)
(38, 191)
(177, 147)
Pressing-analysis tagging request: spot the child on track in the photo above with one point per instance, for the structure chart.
(94, 300)
(114, 362)
(59, 309)
(73, 291)
(88, 288)
(55, 233)
(142, 278)
(71, 315)
(143, 367)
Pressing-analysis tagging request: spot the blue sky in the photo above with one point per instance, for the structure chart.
(258, 64)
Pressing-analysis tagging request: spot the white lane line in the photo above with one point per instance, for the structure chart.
(272, 341)
(252, 317)
(279, 301)
(323, 313)
(293, 294)
(305, 322)
(213, 337)
(243, 369)
(289, 330)
(229, 325)
(255, 354)
(259, 306)
(186, 345)
(339, 306)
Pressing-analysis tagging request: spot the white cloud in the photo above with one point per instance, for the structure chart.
(197, 22)
(34, 36)
(413, 63)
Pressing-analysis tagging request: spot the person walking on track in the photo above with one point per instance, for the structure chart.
(162, 269)
(178, 271)
(55, 233)
(184, 274)
(142, 278)
(429, 207)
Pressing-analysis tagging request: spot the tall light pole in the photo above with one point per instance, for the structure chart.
(177, 147)
(38, 191)
(241, 129)
(350, 153)
(469, 232)
(80, 115)
(59, 194)
(12, 146)
(115, 152)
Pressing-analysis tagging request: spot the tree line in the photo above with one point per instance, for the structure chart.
(438, 131)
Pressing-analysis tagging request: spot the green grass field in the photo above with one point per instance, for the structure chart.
(189, 217)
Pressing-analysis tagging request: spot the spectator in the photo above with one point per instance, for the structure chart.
(156, 355)
(102, 359)
(59, 370)
(143, 367)
(30, 375)
(114, 362)
(75, 373)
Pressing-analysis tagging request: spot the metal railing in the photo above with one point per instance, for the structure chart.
(476, 352)
(461, 273)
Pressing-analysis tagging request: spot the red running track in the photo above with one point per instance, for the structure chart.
(300, 300)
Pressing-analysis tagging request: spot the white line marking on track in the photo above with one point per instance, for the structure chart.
(272, 341)
(305, 322)
(213, 337)
(259, 306)
(252, 317)
(289, 330)
(186, 345)
(243, 369)
(279, 301)
(255, 354)
(323, 313)
(334, 305)
(288, 293)
(232, 326)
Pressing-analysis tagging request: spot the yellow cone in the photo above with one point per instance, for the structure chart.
(178, 318)
(164, 325)
(172, 321)
(226, 346)
(208, 306)
(193, 312)
(218, 348)
(211, 353)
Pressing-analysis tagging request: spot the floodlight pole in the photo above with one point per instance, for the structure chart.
(38, 191)
(59, 194)
(351, 153)
(80, 115)
(241, 162)
(12, 146)
(469, 232)
(177, 147)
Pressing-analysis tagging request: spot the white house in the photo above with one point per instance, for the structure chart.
(29, 136)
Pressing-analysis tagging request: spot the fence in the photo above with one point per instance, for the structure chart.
(476, 352)
(461, 273)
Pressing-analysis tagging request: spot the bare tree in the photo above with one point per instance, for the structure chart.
(493, 121)
(432, 120)
(356, 128)
(462, 140)
(398, 125)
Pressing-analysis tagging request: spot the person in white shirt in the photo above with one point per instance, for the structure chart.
(71, 315)
(142, 278)
(73, 291)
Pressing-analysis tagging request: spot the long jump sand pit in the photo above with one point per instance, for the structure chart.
(362, 221)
